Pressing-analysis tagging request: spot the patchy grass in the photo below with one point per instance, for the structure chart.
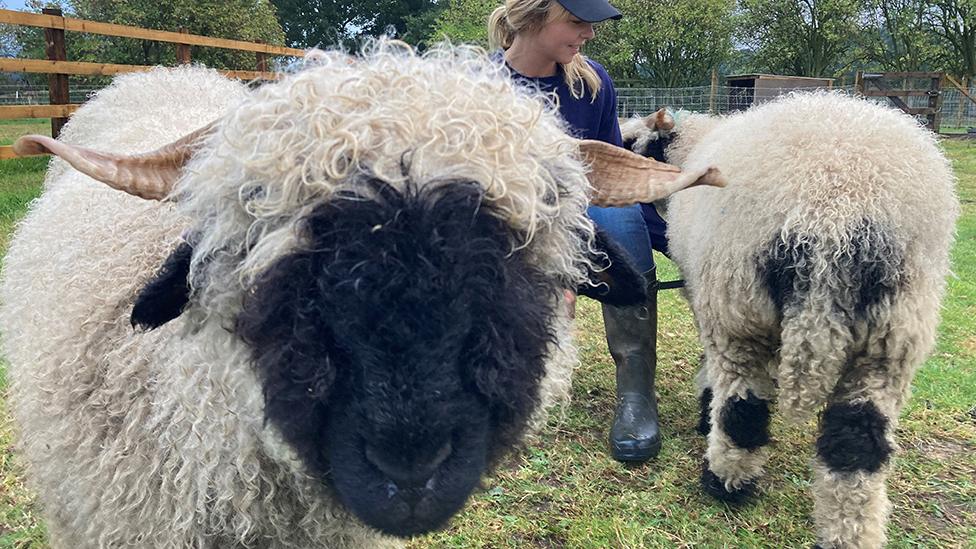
(19, 178)
(10, 130)
(565, 491)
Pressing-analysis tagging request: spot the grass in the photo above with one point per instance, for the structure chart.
(19, 177)
(565, 491)
(20, 182)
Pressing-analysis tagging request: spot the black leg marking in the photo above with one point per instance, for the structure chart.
(714, 487)
(704, 404)
(746, 421)
(852, 438)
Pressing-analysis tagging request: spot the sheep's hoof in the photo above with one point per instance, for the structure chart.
(716, 488)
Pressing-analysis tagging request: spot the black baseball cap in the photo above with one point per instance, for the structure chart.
(591, 11)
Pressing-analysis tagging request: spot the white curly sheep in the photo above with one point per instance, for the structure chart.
(815, 279)
(361, 315)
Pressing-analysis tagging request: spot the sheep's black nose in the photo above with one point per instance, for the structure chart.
(405, 472)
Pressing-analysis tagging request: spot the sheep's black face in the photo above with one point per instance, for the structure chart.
(653, 148)
(402, 348)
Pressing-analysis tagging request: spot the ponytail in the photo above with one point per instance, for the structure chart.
(500, 31)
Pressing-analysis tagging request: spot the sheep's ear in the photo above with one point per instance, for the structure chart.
(166, 295)
(620, 177)
(620, 283)
(660, 121)
(150, 175)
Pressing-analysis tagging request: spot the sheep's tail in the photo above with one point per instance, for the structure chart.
(832, 292)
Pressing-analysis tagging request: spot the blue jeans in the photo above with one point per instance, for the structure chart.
(627, 228)
(656, 228)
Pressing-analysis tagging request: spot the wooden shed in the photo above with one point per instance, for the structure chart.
(752, 89)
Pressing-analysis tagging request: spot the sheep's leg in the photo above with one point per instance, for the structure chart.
(704, 399)
(852, 462)
(738, 419)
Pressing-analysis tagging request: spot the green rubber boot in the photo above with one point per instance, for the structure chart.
(632, 339)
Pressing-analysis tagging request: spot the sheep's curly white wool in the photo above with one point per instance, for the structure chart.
(812, 164)
(448, 115)
(837, 181)
(176, 430)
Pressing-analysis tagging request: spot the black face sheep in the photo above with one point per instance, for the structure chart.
(351, 300)
(815, 278)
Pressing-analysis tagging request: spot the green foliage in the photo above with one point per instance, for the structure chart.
(464, 21)
(326, 23)
(248, 20)
(896, 35)
(802, 38)
(666, 44)
(954, 21)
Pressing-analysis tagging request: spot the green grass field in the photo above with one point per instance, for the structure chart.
(565, 491)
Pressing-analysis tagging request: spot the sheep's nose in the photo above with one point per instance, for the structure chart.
(408, 473)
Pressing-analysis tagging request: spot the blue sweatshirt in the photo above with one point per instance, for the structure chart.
(596, 120)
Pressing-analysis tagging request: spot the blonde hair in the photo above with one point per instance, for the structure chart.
(529, 16)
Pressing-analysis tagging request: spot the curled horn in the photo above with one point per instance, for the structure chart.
(659, 120)
(663, 121)
(149, 175)
(621, 178)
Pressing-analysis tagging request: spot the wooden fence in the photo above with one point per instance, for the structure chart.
(58, 67)
(881, 88)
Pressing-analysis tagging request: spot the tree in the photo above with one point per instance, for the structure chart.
(327, 23)
(9, 47)
(668, 44)
(248, 20)
(464, 21)
(801, 37)
(897, 37)
(8, 38)
(954, 21)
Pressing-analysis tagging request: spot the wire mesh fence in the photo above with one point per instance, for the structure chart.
(958, 111)
(28, 94)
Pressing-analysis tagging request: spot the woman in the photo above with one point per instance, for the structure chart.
(540, 42)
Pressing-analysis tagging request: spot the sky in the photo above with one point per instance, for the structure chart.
(15, 5)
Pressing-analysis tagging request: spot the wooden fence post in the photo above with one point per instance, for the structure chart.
(261, 59)
(964, 90)
(713, 92)
(961, 108)
(183, 50)
(57, 83)
(859, 83)
(935, 103)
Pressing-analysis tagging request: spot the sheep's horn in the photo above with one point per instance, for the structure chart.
(663, 120)
(621, 178)
(659, 120)
(149, 175)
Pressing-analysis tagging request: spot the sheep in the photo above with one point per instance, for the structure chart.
(815, 278)
(347, 309)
